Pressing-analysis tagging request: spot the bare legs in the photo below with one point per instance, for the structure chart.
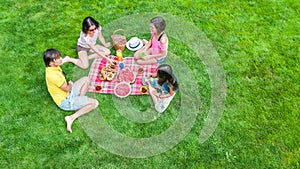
(154, 94)
(83, 57)
(141, 60)
(137, 54)
(103, 50)
(89, 107)
(83, 84)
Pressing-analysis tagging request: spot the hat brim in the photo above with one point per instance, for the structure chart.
(136, 48)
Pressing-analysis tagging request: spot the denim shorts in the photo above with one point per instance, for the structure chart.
(74, 101)
(161, 60)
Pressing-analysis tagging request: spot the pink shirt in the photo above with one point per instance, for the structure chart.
(157, 47)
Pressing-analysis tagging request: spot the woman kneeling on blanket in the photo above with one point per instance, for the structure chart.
(163, 86)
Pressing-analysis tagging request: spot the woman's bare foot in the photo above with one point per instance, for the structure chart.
(69, 122)
(65, 59)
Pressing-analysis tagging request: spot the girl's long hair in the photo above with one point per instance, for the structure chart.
(165, 75)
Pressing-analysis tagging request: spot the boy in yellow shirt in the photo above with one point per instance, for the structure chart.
(68, 96)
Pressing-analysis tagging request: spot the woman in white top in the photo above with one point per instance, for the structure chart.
(91, 31)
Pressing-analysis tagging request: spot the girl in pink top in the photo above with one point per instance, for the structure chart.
(154, 51)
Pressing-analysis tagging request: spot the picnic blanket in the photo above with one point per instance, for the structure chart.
(108, 86)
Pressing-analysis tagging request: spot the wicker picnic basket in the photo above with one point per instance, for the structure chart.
(119, 39)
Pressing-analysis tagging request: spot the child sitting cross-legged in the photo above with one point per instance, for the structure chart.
(163, 86)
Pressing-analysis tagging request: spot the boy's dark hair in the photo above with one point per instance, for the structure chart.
(87, 23)
(50, 55)
(159, 24)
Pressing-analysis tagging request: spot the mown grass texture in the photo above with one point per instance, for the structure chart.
(258, 44)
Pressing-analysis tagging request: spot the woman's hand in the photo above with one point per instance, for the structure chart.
(110, 61)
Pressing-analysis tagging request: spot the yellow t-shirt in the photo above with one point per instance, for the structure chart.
(55, 79)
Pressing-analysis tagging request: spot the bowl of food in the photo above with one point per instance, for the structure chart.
(98, 88)
(140, 70)
(122, 89)
(144, 89)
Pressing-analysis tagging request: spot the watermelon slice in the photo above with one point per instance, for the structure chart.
(122, 89)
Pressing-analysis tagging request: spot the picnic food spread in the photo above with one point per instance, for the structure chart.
(127, 71)
(108, 73)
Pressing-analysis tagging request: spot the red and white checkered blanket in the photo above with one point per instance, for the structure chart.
(108, 86)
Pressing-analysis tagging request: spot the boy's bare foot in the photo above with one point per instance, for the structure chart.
(69, 122)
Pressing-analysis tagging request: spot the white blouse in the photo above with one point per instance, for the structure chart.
(85, 40)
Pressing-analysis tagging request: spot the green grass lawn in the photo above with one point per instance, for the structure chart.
(257, 43)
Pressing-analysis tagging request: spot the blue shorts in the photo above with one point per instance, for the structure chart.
(74, 101)
(161, 60)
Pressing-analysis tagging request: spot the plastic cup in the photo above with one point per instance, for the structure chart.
(121, 65)
(119, 55)
(142, 54)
